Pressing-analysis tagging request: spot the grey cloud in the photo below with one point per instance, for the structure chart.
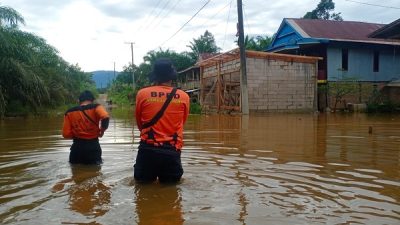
(128, 11)
(132, 10)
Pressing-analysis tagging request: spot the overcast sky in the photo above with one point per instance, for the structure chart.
(94, 33)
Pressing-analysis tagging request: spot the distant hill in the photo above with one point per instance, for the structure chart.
(103, 77)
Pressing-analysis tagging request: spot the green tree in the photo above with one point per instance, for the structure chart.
(257, 43)
(340, 88)
(10, 17)
(18, 77)
(180, 60)
(121, 90)
(204, 44)
(32, 75)
(324, 11)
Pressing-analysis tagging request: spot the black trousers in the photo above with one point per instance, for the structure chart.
(162, 162)
(85, 152)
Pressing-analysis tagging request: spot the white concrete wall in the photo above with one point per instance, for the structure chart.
(276, 85)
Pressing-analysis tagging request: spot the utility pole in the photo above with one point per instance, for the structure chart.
(243, 78)
(133, 72)
(114, 72)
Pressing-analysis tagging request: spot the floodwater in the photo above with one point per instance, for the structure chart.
(258, 169)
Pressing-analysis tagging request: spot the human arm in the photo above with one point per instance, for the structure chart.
(138, 111)
(104, 119)
(104, 126)
(67, 128)
(187, 108)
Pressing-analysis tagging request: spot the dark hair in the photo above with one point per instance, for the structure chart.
(86, 96)
(163, 71)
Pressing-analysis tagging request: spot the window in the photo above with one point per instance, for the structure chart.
(376, 61)
(345, 59)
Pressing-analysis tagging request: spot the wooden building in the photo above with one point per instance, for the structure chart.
(189, 81)
(276, 82)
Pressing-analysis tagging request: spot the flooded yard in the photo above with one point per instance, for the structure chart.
(258, 169)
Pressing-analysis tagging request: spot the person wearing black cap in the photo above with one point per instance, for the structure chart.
(161, 111)
(82, 124)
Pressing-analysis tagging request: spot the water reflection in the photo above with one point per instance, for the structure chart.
(291, 168)
(88, 194)
(279, 168)
(158, 204)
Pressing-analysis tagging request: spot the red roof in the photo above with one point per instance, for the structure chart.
(337, 30)
(391, 31)
(204, 56)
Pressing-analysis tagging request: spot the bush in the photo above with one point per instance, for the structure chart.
(119, 94)
(195, 108)
(16, 108)
(378, 103)
(387, 107)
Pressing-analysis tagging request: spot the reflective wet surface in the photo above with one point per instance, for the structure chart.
(259, 169)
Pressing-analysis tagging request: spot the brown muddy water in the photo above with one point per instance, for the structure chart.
(261, 169)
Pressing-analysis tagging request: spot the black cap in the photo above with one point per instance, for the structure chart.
(163, 71)
(86, 96)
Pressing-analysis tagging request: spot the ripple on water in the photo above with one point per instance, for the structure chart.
(316, 175)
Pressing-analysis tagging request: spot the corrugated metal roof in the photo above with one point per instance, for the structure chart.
(234, 54)
(391, 30)
(338, 30)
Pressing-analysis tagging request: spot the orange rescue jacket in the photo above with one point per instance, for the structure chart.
(78, 125)
(169, 128)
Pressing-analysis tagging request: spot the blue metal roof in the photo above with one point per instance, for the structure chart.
(287, 37)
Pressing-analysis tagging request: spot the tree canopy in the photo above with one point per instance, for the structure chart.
(10, 17)
(204, 44)
(258, 43)
(32, 74)
(121, 89)
(324, 11)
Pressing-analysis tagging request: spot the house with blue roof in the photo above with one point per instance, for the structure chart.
(347, 49)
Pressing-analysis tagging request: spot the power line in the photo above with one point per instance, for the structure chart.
(246, 19)
(366, 3)
(169, 11)
(186, 23)
(212, 17)
(158, 14)
(219, 11)
(227, 21)
(142, 25)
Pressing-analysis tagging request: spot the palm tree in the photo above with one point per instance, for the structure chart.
(19, 79)
(31, 70)
(204, 44)
(10, 17)
(258, 43)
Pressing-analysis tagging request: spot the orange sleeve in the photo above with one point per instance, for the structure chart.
(138, 109)
(187, 108)
(101, 112)
(67, 129)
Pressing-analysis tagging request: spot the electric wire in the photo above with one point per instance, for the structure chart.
(227, 22)
(147, 16)
(246, 19)
(158, 15)
(186, 23)
(169, 11)
(219, 11)
(370, 4)
(210, 18)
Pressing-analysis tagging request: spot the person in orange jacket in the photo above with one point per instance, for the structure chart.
(161, 140)
(82, 125)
